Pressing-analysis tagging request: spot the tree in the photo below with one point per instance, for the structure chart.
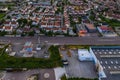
(19, 21)
(3, 33)
(25, 21)
(50, 33)
(31, 33)
(8, 17)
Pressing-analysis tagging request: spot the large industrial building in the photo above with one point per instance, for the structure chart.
(107, 62)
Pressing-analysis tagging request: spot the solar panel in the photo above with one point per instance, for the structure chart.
(117, 50)
(115, 67)
(110, 52)
(98, 50)
(105, 53)
(109, 67)
(103, 67)
(116, 62)
(111, 49)
(106, 62)
(106, 49)
(111, 62)
(119, 66)
(114, 52)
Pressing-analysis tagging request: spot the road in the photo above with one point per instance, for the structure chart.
(66, 40)
(23, 75)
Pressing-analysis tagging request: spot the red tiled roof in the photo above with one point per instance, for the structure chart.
(105, 28)
(1, 26)
(13, 22)
(7, 22)
(64, 28)
(7, 27)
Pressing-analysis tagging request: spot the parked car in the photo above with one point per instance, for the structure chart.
(38, 47)
(65, 62)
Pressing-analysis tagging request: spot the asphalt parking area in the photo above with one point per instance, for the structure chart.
(17, 47)
(43, 74)
(77, 68)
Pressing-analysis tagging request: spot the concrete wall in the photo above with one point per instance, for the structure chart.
(5, 0)
(101, 72)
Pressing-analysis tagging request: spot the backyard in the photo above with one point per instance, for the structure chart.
(111, 22)
(2, 15)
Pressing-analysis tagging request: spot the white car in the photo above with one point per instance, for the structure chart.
(38, 47)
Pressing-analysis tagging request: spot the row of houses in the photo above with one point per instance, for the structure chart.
(106, 31)
(9, 26)
(41, 15)
(52, 22)
(66, 18)
(78, 7)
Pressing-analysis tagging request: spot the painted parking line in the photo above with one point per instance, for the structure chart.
(106, 40)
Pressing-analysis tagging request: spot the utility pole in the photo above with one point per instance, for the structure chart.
(38, 40)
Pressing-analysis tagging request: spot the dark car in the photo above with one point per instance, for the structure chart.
(65, 62)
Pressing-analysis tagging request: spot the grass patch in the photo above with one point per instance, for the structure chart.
(2, 15)
(7, 4)
(64, 78)
(77, 47)
(111, 22)
(31, 63)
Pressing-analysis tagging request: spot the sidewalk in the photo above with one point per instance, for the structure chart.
(59, 72)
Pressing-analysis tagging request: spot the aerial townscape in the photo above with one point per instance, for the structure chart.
(59, 39)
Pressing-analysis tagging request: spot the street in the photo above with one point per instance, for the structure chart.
(25, 74)
(66, 40)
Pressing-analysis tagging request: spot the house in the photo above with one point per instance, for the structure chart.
(14, 24)
(43, 24)
(8, 28)
(64, 29)
(106, 31)
(47, 29)
(2, 28)
(117, 29)
(55, 29)
(26, 29)
(57, 24)
(90, 28)
(84, 55)
(81, 30)
(7, 23)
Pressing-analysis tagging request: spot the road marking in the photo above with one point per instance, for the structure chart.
(16, 43)
(106, 40)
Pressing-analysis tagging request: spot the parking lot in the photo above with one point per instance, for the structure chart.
(17, 47)
(23, 75)
(77, 68)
